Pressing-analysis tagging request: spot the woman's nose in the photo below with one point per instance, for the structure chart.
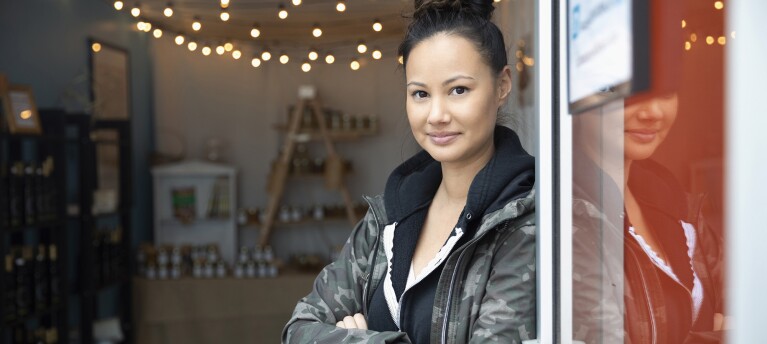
(438, 113)
(651, 111)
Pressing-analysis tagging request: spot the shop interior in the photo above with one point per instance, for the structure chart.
(178, 172)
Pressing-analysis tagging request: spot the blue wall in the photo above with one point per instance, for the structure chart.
(43, 43)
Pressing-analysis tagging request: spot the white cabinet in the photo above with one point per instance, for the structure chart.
(194, 203)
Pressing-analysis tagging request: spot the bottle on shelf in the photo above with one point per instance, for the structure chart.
(42, 286)
(53, 274)
(24, 281)
(30, 193)
(9, 298)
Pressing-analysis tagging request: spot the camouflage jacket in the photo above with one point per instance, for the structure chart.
(486, 292)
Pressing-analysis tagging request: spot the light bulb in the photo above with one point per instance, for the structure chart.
(401, 59)
(362, 48)
(119, 5)
(140, 26)
(224, 15)
(329, 59)
(192, 46)
(135, 11)
(224, 3)
(340, 6)
(283, 13)
(719, 5)
(377, 54)
(206, 50)
(377, 26)
(722, 40)
(168, 11)
(284, 58)
(147, 27)
(157, 33)
(179, 40)
(316, 31)
(255, 31)
(296, 2)
(355, 65)
(313, 55)
(306, 67)
(255, 62)
(266, 55)
(220, 50)
(96, 46)
(196, 25)
(236, 54)
(228, 46)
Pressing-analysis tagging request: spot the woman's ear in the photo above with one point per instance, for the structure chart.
(504, 85)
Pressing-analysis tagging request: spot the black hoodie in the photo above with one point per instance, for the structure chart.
(510, 174)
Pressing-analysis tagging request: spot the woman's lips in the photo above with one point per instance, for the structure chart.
(642, 135)
(442, 138)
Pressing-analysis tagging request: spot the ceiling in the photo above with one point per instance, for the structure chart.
(339, 29)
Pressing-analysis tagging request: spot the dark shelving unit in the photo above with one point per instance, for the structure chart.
(37, 309)
(93, 280)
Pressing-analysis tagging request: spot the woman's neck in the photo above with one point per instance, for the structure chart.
(457, 177)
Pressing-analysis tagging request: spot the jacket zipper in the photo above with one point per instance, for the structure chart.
(450, 293)
(647, 296)
(374, 251)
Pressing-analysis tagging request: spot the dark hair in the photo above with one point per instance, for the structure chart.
(469, 19)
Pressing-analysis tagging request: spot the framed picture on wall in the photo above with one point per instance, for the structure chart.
(18, 104)
(110, 81)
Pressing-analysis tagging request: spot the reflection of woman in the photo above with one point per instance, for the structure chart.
(671, 270)
(448, 252)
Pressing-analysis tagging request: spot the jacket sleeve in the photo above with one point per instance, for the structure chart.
(336, 293)
(507, 313)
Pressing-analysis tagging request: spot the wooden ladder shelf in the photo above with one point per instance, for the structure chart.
(334, 167)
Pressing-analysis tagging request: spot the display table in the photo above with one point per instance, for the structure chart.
(216, 310)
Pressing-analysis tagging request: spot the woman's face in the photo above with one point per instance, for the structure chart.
(646, 125)
(453, 98)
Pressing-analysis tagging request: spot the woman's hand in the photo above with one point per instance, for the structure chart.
(356, 321)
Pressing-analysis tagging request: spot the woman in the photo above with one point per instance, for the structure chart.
(667, 286)
(447, 254)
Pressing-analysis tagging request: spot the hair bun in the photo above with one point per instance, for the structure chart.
(480, 8)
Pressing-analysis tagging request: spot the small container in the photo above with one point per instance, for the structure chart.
(151, 272)
(162, 272)
(220, 270)
(251, 270)
(239, 270)
(175, 271)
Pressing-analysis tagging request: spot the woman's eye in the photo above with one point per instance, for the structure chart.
(420, 94)
(459, 90)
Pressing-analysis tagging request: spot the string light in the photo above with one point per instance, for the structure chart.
(709, 40)
(266, 55)
(224, 3)
(684, 23)
(693, 37)
(732, 35)
(355, 65)
(224, 14)
(206, 50)
(119, 5)
(147, 27)
(220, 50)
(236, 54)
(719, 5)
(306, 66)
(377, 54)
(284, 58)
(687, 45)
(140, 25)
(377, 26)
(135, 11)
(329, 58)
(401, 59)
(196, 25)
(722, 40)
(168, 11)
(296, 2)
(362, 48)
(283, 13)
(192, 46)
(96, 47)
(228, 46)
(316, 31)
(255, 31)
(313, 55)
(179, 40)
(255, 62)
(157, 33)
(340, 6)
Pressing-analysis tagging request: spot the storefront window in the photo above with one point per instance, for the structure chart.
(647, 187)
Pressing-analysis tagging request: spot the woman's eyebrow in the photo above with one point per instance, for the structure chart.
(446, 82)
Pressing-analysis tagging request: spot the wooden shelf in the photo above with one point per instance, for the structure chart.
(334, 135)
(304, 221)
